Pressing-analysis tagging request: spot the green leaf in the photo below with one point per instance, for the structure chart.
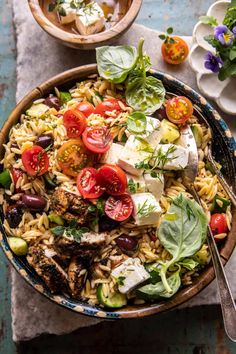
(137, 122)
(51, 7)
(58, 230)
(115, 62)
(162, 37)
(131, 186)
(232, 53)
(188, 263)
(145, 94)
(156, 291)
(5, 179)
(209, 20)
(65, 97)
(227, 70)
(169, 30)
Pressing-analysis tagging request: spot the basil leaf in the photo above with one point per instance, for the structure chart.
(188, 263)
(115, 63)
(145, 94)
(156, 291)
(137, 122)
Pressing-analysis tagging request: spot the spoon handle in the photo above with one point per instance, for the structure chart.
(226, 298)
(222, 180)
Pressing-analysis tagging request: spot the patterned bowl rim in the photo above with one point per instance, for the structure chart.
(133, 311)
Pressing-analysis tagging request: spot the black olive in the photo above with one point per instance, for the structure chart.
(34, 202)
(53, 102)
(14, 216)
(44, 140)
(107, 224)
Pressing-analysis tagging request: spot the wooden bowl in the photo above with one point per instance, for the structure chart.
(129, 10)
(223, 144)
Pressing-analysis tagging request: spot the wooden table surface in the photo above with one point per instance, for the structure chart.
(189, 331)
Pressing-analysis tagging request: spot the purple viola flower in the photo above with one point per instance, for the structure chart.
(234, 31)
(223, 35)
(212, 62)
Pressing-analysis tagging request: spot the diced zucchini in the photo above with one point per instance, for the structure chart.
(37, 110)
(219, 205)
(116, 300)
(197, 133)
(65, 97)
(209, 167)
(170, 132)
(5, 179)
(18, 245)
(56, 219)
(50, 184)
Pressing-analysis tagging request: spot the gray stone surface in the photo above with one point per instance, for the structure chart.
(38, 58)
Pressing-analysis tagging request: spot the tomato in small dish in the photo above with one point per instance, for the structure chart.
(119, 207)
(86, 108)
(176, 52)
(75, 123)
(179, 109)
(87, 183)
(16, 174)
(97, 139)
(113, 179)
(109, 105)
(218, 224)
(35, 161)
(72, 157)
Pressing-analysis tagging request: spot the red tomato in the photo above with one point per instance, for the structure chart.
(16, 174)
(120, 207)
(175, 53)
(35, 161)
(113, 179)
(179, 109)
(218, 224)
(108, 106)
(86, 108)
(87, 183)
(75, 123)
(73, 156)
(97, 139)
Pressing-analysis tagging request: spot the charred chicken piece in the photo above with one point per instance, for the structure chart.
(77, 275)
(69, 205)
(47, 268)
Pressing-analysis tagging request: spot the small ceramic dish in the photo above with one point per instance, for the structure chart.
(124, 15)
(224, 148)
(222, 92)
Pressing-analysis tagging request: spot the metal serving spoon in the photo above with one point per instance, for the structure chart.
(188, 176)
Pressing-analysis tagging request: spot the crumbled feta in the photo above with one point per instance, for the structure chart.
(134, 152)
(155, 185)
(129, 274)
(170, 157)
(147, 210)
(70, 13)
(136, 184)
(90, 19)
(113, 154)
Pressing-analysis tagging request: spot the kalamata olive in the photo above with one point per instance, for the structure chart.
(34, 202)
(127, 244)
(53, 102)
(14, 216)
(44, 140)
(161, 113)
(107, 224)
(14, 146)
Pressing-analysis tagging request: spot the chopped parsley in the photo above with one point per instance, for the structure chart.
(132, 186)
(120, 280)
(72, 231)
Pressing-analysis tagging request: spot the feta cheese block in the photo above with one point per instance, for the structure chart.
(146, 210)
(129, 274)
(155, 185)
(113, 154)
(170, 157)
(132, 154)
(136, 184)
(69, 11)
(90, 19)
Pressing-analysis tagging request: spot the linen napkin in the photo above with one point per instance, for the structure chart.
(38, 58)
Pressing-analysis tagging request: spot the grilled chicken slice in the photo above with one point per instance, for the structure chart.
(69, 205)
(77, 275)
(47, 268)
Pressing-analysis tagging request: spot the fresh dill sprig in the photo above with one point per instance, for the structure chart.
(145, 209)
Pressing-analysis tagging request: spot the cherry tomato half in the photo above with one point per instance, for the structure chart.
(97, 139)
(179, 109)
(87, 183)
(113, 179)
(86, 108)
(108, 106)
(35, 161)
(73, 156)
(218, 224)
(176, 52)
(120, 207)
(75, 123)
(16, 174)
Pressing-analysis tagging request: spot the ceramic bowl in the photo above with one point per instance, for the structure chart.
(130, 11)
(223, 92)
(223, 145)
